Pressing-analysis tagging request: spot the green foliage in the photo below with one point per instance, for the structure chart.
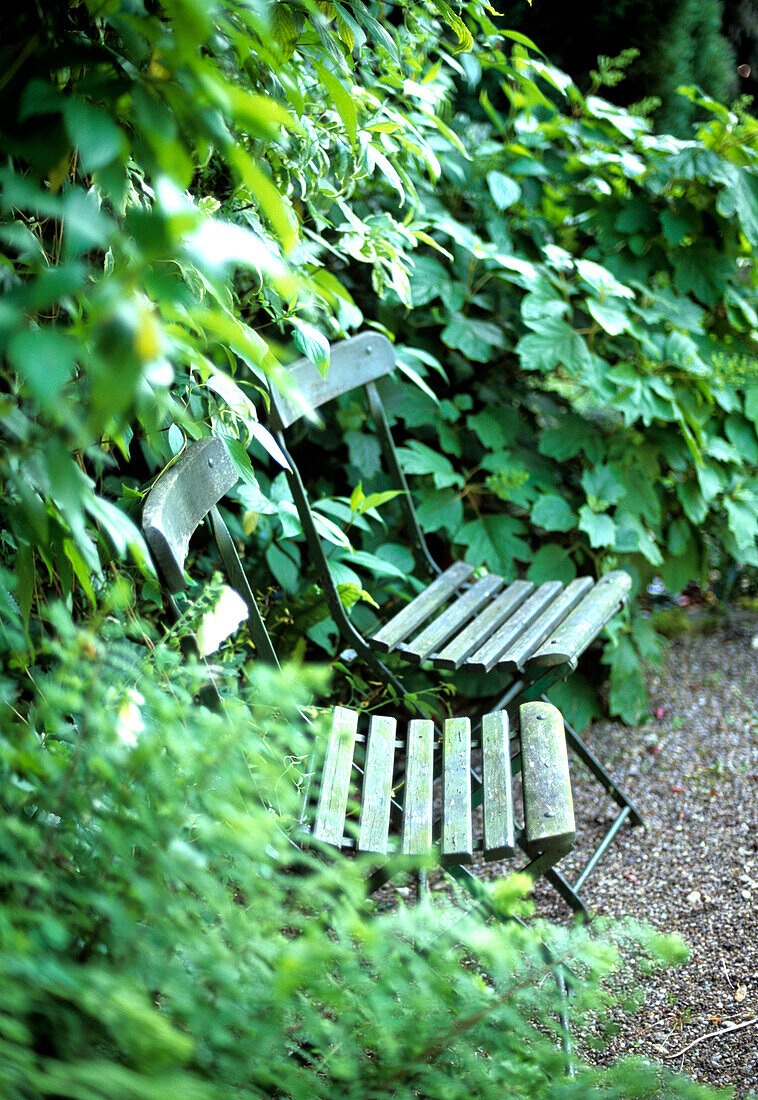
(190, 194)
(603, 332)
(663, 46)
(160, 935)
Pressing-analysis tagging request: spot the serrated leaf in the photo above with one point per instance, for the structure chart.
(475, 339)
(555, 344)
(494, 541)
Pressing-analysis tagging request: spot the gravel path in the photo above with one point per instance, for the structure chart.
(692, 771)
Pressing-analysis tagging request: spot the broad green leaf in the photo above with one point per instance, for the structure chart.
(46, 359)
(604, 485)
(553, 513)
(439, 508)
(693, 502)
(551, 563)
(504, 190)
(285, 570)
(240, 458)
(494, 541)
(601, 280)
(312, 343)
(475, 339)
(743, 522)
(94, 133)
(613, 318)
(554, 344)
(600, 528)
(417, 458)
(427, 278)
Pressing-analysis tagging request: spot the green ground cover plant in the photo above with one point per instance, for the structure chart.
(160, 934)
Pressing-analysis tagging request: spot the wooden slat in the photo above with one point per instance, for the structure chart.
(488, 655)
(499, 831)
(568, 642)
(419, 609)
(444, 627)
(457, 832)
(377, 785)
(180, 498)
(479, 629)
(352, 363)
(335, 777)
(542, 627)
(417, 808)
(549, 825)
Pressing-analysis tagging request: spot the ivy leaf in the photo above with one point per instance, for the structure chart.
(554, 345)
(475, 339)
(552, 563)
(600, 529)
(553, 513)
(611, 317)
(428, 278)
(493, 540)
(691, 499)
(604, 485)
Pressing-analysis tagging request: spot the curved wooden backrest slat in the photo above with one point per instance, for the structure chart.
(353, 363)
(180, 500)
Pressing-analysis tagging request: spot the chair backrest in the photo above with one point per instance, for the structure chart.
(181, 498)
(352, 363)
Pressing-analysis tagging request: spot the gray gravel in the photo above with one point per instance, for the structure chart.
(692, 771)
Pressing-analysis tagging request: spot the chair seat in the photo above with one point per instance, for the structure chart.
(356, 788)
(484, 624)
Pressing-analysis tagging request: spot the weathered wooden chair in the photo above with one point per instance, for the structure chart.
(361, 767)
(533, 634)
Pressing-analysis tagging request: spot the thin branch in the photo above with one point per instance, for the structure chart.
(713, 1035)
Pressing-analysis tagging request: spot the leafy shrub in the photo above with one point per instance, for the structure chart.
(160, 935)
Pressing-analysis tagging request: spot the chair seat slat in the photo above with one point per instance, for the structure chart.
(548, 806)
(473, 636)
(419, 609)
(335, 778)
(489, 654)
(377, 785)
(457, 830)
(442, 629)
(542, 628)
(499, 829)
(585, 622)
(417, 806)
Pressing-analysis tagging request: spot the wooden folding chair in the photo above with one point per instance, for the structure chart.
(350, 802)
(535, 635)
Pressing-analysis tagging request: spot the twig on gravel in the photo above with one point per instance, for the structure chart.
(713, 1035)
